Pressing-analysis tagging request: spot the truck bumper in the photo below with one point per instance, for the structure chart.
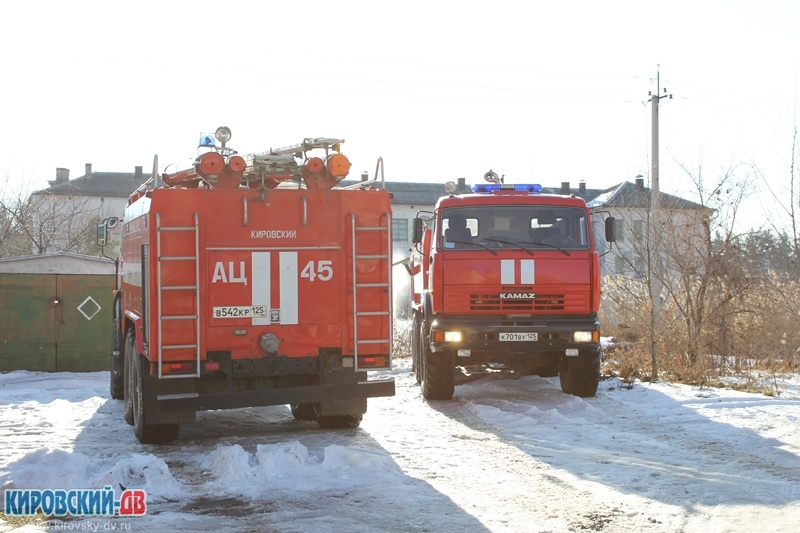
(192, 401)
(482, 335)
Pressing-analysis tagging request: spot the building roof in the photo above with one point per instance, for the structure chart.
(410, 193)
(625, 194)
(56, 263)
(580, 192)
(96, 184)
(637, 196)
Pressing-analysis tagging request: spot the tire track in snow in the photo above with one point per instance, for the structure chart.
(453, 449)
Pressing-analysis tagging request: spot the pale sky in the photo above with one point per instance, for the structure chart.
(541, 92)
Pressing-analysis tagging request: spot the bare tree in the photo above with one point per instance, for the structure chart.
(695, 264)
(786, 200)
(708, 276)
(12, 204)
(39, 223)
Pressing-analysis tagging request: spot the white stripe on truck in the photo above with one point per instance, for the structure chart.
(288, 282)
(260, 284)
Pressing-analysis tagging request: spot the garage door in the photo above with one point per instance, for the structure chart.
(55, 322)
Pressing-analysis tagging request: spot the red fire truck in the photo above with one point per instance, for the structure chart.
(506, 275)
(253, 281)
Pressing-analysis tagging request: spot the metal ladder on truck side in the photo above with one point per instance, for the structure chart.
(162, 257)
(384, 255)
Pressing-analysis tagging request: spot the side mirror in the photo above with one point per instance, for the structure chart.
(416, 231)
(102, 235)
(611, 229)
(112, 222)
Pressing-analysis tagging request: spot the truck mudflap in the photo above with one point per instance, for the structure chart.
(187, 402)
(488, 334)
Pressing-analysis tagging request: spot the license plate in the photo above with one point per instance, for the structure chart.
(527, 336)
(240, 311)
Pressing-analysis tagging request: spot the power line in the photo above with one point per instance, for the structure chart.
(260, 72)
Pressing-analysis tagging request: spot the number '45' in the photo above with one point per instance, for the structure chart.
(322, 270)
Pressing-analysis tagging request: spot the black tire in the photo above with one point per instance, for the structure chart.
(129, 355)
(147, 433)
(438, 371)
(547, 371)
(117, 385)
(339, 421)
(303, 411)
(416, 366)
(580, 375)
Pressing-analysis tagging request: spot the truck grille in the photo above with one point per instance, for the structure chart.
(493, 302)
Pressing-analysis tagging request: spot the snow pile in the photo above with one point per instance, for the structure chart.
(48, 468)
(289, 466)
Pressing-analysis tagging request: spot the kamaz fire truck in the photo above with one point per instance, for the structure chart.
(509, 276)
(253, 281)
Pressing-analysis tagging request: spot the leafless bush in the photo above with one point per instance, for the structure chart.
(402, 338)
(745, 344)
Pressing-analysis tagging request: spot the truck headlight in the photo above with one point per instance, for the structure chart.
(582, 336)
(453, 336)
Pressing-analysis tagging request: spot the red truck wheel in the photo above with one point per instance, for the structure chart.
(128, 356)
(117, 385)
(303, 411)
(416, 335)
(147, 433)
(438, 370)
(117, 382)
(439, 381)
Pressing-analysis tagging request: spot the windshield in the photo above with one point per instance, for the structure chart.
(514, 226)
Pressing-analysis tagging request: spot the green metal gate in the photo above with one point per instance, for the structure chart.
(55, 322)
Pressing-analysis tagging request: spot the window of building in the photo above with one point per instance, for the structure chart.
(400, 229)
(633, 269)
(618, 227)
(638, 230)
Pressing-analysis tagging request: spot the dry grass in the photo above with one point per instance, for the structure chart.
(746, 343)
(631, 360)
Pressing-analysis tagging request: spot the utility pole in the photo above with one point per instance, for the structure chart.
(655, 227)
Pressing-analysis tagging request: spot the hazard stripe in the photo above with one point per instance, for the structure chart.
(288, 283)
(260, 284)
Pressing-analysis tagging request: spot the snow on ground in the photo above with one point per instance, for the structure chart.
(506, 454)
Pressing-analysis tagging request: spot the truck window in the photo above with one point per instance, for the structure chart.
(565, 227)
(458, 231)
(496, 226)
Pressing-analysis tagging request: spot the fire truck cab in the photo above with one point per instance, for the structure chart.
(506, 275)
(253, 281)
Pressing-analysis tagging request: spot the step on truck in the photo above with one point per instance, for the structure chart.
(506, 275)
(252, 281)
